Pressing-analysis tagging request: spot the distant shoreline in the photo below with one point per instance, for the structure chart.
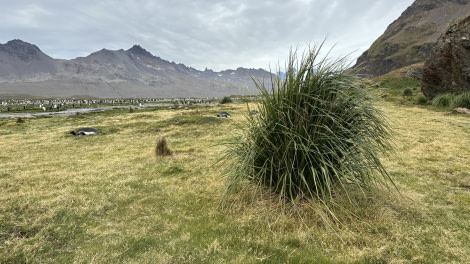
(74, 111)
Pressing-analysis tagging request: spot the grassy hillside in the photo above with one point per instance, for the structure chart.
(397, 87)
(109, 199)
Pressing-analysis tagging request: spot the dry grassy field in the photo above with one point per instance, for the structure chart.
(109, 199)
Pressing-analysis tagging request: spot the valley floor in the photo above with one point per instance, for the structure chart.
(110, 199)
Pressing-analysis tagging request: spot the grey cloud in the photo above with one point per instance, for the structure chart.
(214, 34)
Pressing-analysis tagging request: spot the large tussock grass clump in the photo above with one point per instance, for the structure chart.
(443, 100)
(462, 100)
(317, 133)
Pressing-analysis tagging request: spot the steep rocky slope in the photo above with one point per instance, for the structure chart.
(26, 70)
(19, 59)
(411, 37)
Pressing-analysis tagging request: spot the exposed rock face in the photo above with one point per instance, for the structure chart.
(414, 72)
(411, 37)
(448, 68)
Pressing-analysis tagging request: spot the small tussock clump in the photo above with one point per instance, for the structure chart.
(407, 92)
(421, 99)
(162, 148)
(462, 100)
(443, 100)
(226, 100)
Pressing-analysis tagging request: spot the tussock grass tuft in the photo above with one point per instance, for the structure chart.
(407, 92)
(462, 100)
(443, 100)
(421, 99)
(162, 148)
(316, 136)
(226, 100)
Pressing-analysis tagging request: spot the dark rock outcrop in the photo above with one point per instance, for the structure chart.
(410, 38)
(448, 68)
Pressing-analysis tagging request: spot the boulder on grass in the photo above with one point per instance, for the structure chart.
(462, 110)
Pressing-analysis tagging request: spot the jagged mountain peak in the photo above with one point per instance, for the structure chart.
(21, 50)
(139, 51)
(21, 59)
(20, 43)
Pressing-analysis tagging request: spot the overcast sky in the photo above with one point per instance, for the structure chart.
(215, 34)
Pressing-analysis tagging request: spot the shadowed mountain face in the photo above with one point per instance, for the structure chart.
(26, 70)
(411, 37)
(19, 60)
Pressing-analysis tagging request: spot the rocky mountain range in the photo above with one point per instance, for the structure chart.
(411, 37)
(25, 71)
